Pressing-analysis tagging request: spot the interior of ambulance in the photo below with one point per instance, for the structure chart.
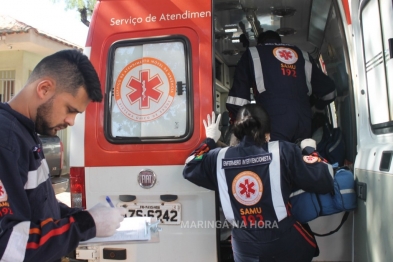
(314, 26)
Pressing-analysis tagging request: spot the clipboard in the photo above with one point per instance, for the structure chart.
(132, 229)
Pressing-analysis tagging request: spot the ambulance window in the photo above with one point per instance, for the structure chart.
(149, 87)
(377, 28)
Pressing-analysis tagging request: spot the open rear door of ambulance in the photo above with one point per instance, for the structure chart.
(154, 60)
(373, 33)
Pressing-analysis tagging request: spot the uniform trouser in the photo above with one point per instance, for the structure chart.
(291, 244)
(290, 123)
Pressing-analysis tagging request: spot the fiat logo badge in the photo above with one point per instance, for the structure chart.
(147, 178)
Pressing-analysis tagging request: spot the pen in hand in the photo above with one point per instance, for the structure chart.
(109, 201)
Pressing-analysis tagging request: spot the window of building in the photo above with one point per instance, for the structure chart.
(149, 91)
(7, 85)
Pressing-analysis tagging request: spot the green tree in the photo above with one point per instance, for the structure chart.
(85, 8)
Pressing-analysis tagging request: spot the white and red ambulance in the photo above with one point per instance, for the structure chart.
(164, 65)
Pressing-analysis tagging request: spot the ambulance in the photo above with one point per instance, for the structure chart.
(164, 65)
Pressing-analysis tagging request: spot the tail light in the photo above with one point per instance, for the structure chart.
(61, 155)
(77, 187)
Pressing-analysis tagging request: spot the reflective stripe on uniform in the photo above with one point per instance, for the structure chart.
(237, 101)
(331, 171)
(16, 246)
(36, 177)
(257, 69)
(223, 188)
(275, 181)
(308, 70)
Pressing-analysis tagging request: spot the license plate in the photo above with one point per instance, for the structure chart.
(166, 213)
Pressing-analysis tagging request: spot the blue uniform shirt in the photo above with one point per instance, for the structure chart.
(282, 78)
(34, 226)
(254, 183)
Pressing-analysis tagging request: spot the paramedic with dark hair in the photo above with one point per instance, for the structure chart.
(254, 180)
(282, 78)
(34, 226)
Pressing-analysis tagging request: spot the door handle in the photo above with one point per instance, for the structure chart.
(361, 190)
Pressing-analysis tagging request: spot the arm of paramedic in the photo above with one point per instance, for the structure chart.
(67, 211)
(23, 239)
(308, 172)
(239, 94)
(323, 87)
(201, 165)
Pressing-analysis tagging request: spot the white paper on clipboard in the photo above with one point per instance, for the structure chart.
(131, 229)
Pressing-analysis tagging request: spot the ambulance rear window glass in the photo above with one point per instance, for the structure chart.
(377, 29)
(149, 91)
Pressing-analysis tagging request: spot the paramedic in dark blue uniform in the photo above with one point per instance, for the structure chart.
(34, 226)
(254, 180)
(282, 78)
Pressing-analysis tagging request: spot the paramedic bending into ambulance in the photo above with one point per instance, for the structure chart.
(282, 78)
(34, 226)
(254, 180)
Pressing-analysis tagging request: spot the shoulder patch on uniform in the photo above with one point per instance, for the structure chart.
(310, 159)
(199, 157)
(3, 193)
(285, 55)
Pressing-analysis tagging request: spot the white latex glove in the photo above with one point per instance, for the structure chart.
(107, 219)
(212, 126)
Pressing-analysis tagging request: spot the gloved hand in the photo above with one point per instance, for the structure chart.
(107, 219)
(211, 128)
